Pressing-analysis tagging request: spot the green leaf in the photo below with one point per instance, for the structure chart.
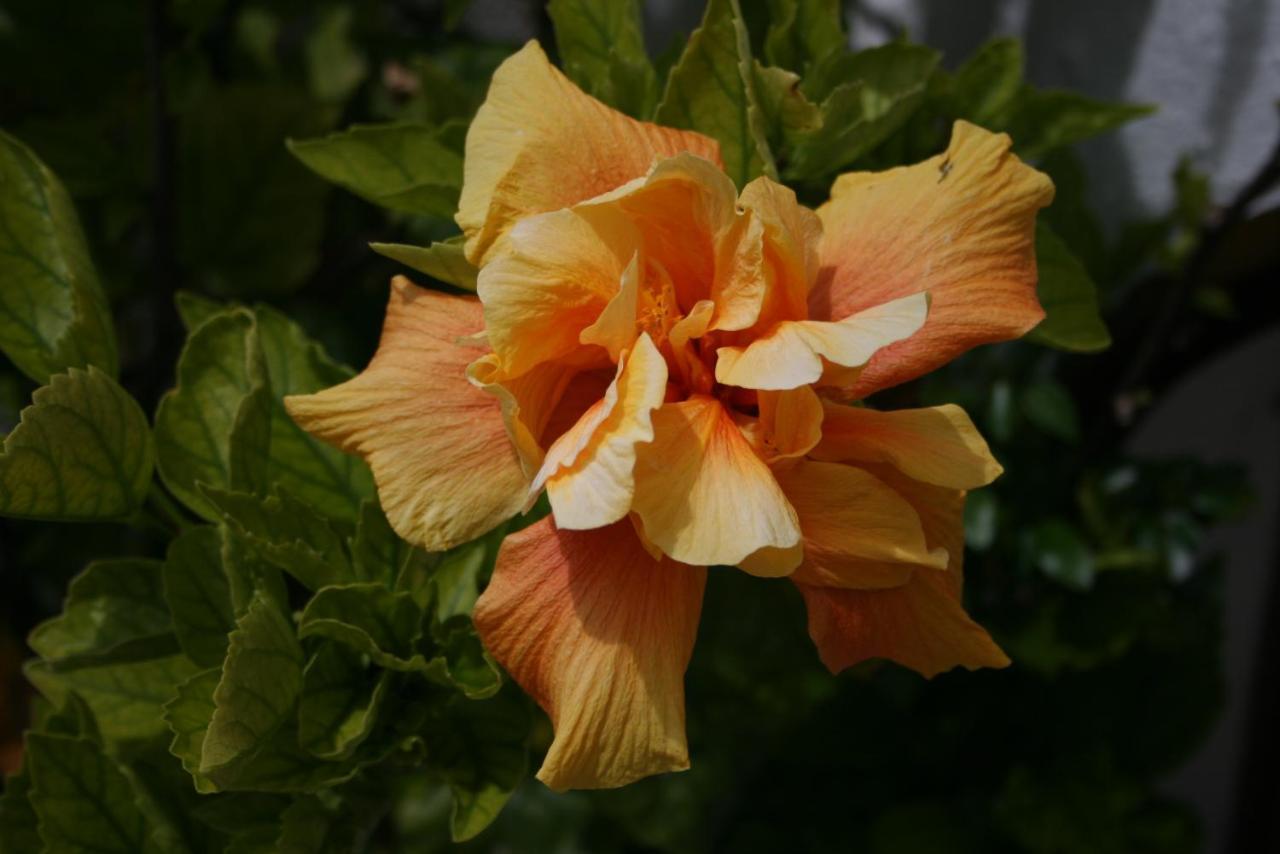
(187, 716)
(787, 113)
(1069, 297)
(601, 46)
(981, 519)
(214, 426)
(341, 697)
(802, 32)
(258, 689)
(199, 595)
(168, 801)
(82, 800)
(1044, 120)
(480, 748)
(251, 218)
(987, 84)
(1049, 406)
(332, 482)
(126, 697)
(82, 451)
(384, 625)
(377, 552)
(286, 533)
(53, 312)
(443, 261)
(403, 167)
(712, 90)
(248, 572)
(195, 309)
(17, 817)
(114, 609)
(866, 96)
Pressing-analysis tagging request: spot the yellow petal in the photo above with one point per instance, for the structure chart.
(792, 235)
(922, 624)
(790, 422)
(685, 208)
(599, 634)
(538, 143)
(589, 471)
(445, 470)
(616, 328)
(858, 532)
(559, 272)
(702, 494)
(960, 226)
(937, 445)
(527, 402)
(792, 354)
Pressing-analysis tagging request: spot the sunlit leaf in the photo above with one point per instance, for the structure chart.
(443, 261)
(711, 90)
(601, 45)
(803, 31)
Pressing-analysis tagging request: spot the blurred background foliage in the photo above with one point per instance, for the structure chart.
(167, 122)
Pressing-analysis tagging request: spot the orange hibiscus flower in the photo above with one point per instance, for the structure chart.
(664, 356)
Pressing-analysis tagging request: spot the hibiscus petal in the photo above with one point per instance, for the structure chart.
(589, 471)
(792, 236)
(960, 226)
(539, 143)
(559, 272)
(937, 445)
(702, 494)
(445, 470)
(793, 353)
(922, 624)
(528, 401)
(858, 532)
(790, 422)
(599, 634)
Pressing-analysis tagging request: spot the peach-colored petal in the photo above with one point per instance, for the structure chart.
(921, 624)
(589, 471)
(937, 445)
(616, 328)
(538, 143)
(445, 469)
(794, 352)
(960, 226)
(792, 236)
(527, 401)
(560, 271)
(790, 422)
(599, 634)
(858, 532)
(686, 210)
(690, 368)
(702, 494)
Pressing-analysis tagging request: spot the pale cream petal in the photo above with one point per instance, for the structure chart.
(792, 354)
(589, 471)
